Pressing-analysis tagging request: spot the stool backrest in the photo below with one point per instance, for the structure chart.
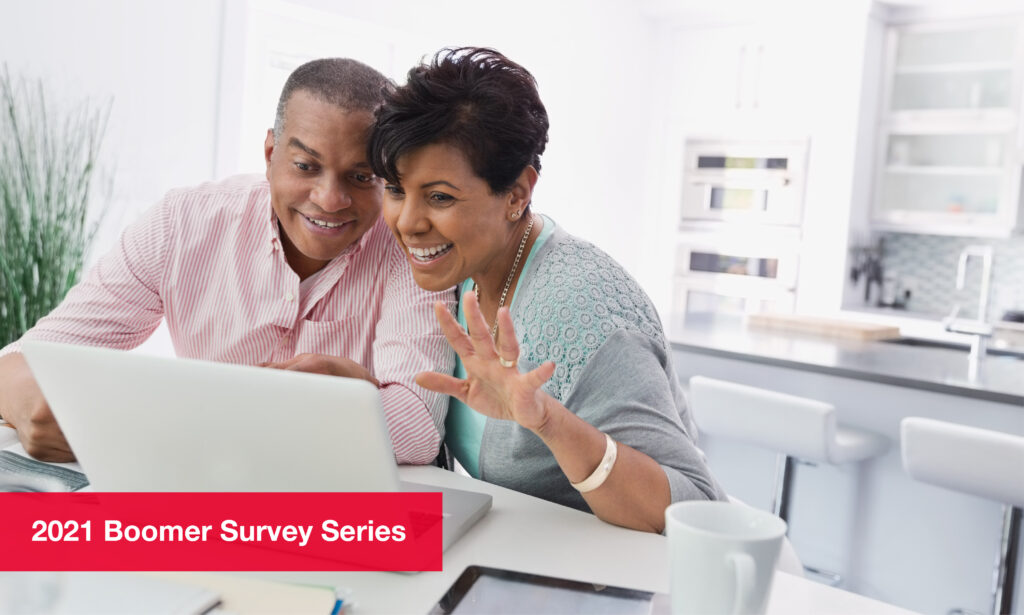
(786, 424)
(981, 462)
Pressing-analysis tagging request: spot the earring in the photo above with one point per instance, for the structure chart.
(514, 215)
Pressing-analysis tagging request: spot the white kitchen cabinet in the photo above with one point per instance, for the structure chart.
(775, 80)
(740, 79)
(950, 147)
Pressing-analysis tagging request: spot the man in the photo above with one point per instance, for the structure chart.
(295, 271)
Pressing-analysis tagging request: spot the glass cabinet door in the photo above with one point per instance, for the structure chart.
(954, 69)
(948, 173)
(950, 143)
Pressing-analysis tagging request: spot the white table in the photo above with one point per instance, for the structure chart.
(528, 534)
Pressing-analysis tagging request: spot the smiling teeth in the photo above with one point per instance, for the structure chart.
(426, 254)
(323, 224)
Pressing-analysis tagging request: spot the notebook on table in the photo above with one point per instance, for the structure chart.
(19, 472)
(118, 593)
(142, 423)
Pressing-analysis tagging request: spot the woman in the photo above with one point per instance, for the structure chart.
(564, 387)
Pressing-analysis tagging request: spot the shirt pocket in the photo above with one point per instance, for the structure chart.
(349, 337)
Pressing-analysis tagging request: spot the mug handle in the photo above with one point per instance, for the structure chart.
(744, 569)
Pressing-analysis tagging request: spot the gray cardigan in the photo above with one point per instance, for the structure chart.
(579, 308)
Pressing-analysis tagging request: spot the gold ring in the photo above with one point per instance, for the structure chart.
(505, 362)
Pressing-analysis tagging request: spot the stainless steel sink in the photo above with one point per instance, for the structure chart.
(927, 343)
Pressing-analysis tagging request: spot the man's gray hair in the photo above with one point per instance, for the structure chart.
(345, 83)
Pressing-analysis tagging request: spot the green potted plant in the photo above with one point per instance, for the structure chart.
(48, 171)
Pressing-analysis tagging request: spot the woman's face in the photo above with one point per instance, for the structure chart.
(448, 221)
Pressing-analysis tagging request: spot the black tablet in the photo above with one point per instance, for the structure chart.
(492, 591)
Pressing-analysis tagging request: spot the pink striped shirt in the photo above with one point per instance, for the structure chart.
(209, 260)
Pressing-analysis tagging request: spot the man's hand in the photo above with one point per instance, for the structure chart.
(325, 364)
(23, 406)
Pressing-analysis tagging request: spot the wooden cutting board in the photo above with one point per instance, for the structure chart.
(828, 327)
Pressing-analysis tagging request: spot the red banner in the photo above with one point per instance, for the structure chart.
(220, 531)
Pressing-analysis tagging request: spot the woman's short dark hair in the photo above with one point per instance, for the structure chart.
(472, 98)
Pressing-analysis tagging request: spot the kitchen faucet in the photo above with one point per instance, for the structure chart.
(978, 327)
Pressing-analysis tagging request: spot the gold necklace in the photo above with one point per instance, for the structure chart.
(508, 280)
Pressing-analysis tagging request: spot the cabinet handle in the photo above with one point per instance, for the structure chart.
(1020, 128)
(758, 63)
(1020, 131)
(739, 76)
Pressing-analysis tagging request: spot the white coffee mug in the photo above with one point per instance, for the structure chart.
(721, 557)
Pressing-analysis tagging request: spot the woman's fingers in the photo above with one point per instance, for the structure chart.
(537, 377)
(458, 339)
(479, 332)
(442, 383)
(508, 346)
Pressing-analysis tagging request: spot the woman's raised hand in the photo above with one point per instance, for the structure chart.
(494, 385)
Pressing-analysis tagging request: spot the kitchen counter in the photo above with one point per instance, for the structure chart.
(942, 370)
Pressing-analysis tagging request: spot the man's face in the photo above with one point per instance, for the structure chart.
(321, 187)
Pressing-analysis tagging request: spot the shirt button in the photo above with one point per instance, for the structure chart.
(288, 296)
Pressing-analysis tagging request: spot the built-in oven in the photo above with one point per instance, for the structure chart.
(706, 301)
(732, 272)
(744, 181)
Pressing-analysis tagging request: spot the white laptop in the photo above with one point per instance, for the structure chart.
(141, 423)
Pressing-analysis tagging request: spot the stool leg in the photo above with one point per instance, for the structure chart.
(1006, 562)
(833, 579)
(784, 470)
(783, 481)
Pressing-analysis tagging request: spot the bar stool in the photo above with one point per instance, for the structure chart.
(794, 427)
(979, 462)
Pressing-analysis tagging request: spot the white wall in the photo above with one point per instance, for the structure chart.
(845, 87)
(157, 62)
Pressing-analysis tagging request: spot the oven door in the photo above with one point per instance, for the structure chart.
(708, 300)
(740, 200)
(730, 273)
(758, 256)
(744, 182)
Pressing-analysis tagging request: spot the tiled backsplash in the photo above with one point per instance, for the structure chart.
(926, 264)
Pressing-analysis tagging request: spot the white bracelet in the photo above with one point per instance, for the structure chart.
(604, 468)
